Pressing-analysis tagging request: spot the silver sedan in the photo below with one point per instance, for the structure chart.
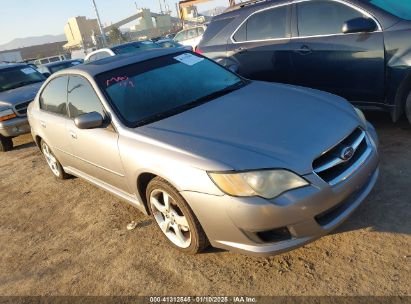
(216, 159)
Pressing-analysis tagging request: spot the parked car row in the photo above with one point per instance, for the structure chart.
(357, 49)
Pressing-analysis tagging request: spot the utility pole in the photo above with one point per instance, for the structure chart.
(103, 34)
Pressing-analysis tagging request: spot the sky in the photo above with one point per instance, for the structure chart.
(26, 18)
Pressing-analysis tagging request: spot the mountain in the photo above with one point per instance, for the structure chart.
(30, 41)
(214, 12)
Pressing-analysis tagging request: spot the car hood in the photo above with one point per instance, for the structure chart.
(262, 125)
(13, 97)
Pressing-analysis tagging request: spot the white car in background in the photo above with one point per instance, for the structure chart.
(191, 36)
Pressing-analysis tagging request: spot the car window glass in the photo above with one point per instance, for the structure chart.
(54, 96)
(102, 55)
(323, 17)
(192, 33)
(180, 36)
(145, 91)
(82, 98)
(200, 31)
(268, 24)
(214, 28)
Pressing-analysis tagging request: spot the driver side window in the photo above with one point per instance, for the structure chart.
(82, 98)
(324, 17)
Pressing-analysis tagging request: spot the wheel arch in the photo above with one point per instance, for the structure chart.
(37, 141)
(401, 97)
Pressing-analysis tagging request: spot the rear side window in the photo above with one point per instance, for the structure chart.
(82, 98)
(215, 28)
(268, 24)
(98, 56)
(181, 36)
(323, 17)
(54, 96)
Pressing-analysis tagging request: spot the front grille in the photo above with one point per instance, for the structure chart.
(21, 108)
(333, 167)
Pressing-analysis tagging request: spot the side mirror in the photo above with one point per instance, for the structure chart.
(359, 25)
(90, 120)
(47, 75)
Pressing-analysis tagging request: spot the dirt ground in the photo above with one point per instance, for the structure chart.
(70, 238)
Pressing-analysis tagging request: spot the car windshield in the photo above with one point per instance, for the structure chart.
(152, 90)
(17, 77)
(399, 8)
(62, 66)
(135, 47)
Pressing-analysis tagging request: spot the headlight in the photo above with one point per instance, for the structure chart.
(264, 183)
(361, 115)
(6, 114)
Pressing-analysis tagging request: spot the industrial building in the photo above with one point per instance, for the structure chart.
(81, 32)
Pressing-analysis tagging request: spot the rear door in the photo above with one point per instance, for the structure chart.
(349, 65)
(95, 151)
(261, 45)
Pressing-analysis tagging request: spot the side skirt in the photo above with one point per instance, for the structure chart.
(128, 198)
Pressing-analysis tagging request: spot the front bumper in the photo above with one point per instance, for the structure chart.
(234, 223)
(14, 127)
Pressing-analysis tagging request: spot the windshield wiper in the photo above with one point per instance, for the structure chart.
(192, 104)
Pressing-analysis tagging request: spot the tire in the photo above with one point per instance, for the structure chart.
(408, 107)
(54, 165)
(176, 222)
(6, 144)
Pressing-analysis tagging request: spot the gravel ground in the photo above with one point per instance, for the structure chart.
(70, 238)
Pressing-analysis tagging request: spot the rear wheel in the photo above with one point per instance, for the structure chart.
(174, 217)
(6, 143)
(408, 107)
(54, 165)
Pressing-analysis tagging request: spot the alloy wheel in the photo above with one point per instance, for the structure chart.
(170, 218)
(51, 160)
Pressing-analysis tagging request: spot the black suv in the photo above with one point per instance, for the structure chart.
(358, 49)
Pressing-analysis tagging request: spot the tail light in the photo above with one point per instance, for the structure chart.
(198, 51)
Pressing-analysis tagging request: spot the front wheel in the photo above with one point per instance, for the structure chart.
(6, 144)
(174, 217)
(54, 165)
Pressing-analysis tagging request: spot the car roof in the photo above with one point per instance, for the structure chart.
(114, 62)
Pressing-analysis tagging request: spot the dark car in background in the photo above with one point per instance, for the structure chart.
(358, 49)
(51, 68)
(19, 84)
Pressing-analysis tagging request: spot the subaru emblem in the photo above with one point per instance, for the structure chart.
(347, 153)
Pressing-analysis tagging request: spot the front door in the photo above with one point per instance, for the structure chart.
(95, 150)
(261, 45)
(349, 65)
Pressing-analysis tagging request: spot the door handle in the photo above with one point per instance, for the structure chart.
(240, 50)
(73, 134)
(304, 50)
(42, 123)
